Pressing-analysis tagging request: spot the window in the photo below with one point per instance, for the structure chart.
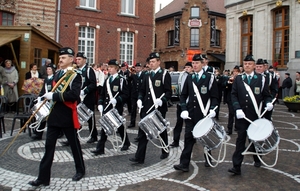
(127, 7)
(126, 47)
(281, 36)
(194, 37)
(38, 57)
(246, 36)
(88, 3)
(86, 42)
(195, 12)
(6, 19)
(218, 38)
(171, 38)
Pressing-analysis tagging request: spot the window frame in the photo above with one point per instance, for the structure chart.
(7, 19)
(197, 38)
(246, 36)
(126, 53)
(87, 4)
(171, 37)
(191, 11)
(37, 57)
(127, 7)
(89, 43)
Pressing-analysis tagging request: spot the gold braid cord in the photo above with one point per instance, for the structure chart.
(63, 84)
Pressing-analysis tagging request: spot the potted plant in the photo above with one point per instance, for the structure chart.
(292, 102)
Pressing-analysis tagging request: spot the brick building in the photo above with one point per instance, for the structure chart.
(186, 27)
(108, 29)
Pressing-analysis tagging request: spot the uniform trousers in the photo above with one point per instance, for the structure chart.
(133, 111)
(231, 116)
(237, 158)
(178, 127)
(143, 141)
(51, 139)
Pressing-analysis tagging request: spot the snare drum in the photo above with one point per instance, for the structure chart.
(209, 133)
(265, 138)
(84, 113)
(43, 112)
(154, 124)
(111, 121)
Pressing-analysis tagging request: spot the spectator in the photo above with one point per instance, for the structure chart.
(286, 85)
(297, 84)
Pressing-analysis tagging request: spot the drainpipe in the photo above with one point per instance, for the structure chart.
(58, 20)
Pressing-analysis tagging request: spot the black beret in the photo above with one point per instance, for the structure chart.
(266, 62)
(204, 56)
(113, 62)
(154, 55)
(188, 64)
(66, 50)
(123, 64)
(260, 61)
(51, 65)
(81, 54)
(197, 57)
(287, 74)
(249, 57)
(271, 67)
(138, 64)
(237, 67)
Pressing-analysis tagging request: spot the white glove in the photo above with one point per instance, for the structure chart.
(269, 106)
(100, 108)
(38, 99)
(81, 93)
(158, 102)
(184, 115)
(139, 104)
(212, 113)
(240, 114)
(113, 101)
(48, 95)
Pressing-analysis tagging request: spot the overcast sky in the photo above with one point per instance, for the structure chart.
(163, 4)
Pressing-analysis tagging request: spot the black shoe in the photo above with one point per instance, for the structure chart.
(228, 132)
(97, 152)
(174, 144)
(235, 171)
(131, 125)
(257, 164)
(36, 138)
(65, 143)
(136, 161)
(92, 140)
(164, 155)
(136, 139)
(125, 147)
(78, 176)
(38, 183)
(181, 167)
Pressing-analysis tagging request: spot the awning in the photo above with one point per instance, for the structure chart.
(7, 38)
(219, 56)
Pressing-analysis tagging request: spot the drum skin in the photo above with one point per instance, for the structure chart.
(260, 129)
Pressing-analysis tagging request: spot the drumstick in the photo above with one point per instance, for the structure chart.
(162, 95)
(110, 103)
(205, 116)
(266, 109)
(250, 121)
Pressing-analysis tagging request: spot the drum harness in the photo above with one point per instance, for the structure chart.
(205, 111)
(248, 88)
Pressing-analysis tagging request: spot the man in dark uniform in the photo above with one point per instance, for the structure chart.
(245, 107)
(88, 91)
(63, 116)
(205, 65)
(191, 111)
(125, 73)
(114, 84)
(161, 84)
(188, 69)
(135, 87)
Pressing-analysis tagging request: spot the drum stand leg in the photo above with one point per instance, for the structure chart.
(164, 146)
(115, 139)
(90, 135)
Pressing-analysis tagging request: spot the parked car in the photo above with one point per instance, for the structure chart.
(175, 87)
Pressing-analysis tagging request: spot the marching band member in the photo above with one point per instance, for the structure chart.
(149, 95)
(192, 111)
(205, 65)
(247, 104)
(188, 69)
(114, 84)
(63, 116)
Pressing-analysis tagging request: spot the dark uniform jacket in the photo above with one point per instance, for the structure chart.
(89, 85)
(119, 84)
(48, 84)
(160, 86)
(272, 83)
(136, 85)
(61, 114)
(241, 98)
(192, 106)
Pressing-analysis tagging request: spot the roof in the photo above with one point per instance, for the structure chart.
(177, 5)
(7, 38)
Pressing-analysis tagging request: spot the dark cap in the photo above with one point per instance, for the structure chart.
(113, 62)
(197, 57)
(188, 64)
(138, 65)
(204, 56)
(249, 57)
(271, 67)
(266, 62)
(236, 67)
(81, 54)
(51, 65)
(66, 50)
(123, 64)
(153, 55)
(287, 74)
(260, 61)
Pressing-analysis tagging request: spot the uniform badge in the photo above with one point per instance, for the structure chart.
(83, 79)
(203, 90)
(157, 83)
(49, 87)
(115, 88)
(257, 90)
